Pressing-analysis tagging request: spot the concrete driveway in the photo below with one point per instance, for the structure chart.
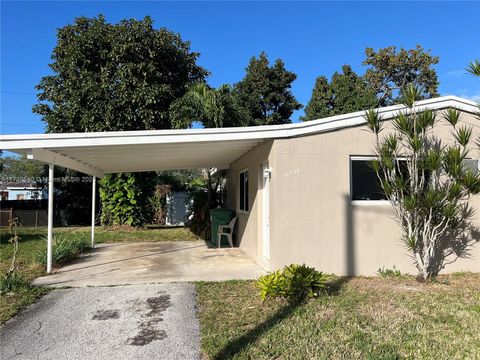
(155, 321)
(154, 262)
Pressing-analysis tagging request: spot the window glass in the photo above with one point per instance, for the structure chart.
(244, 206)
(365, 183)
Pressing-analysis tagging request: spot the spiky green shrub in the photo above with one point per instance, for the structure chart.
(293, 283)
(428, 182)
(65, 247)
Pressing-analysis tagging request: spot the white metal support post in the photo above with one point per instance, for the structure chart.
(50, 217)
(94, 182)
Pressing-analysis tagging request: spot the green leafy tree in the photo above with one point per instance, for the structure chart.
(427, 182)
(19, 168)
(115, 77)
(212, 107)
(265, 92)
(321, 102)
(390, 70)
(351, 92)
(347, 92)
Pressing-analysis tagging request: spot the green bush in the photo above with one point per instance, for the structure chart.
(386, 272)
(293, 283)
(121, 196)
(65, 247)
(12, 283)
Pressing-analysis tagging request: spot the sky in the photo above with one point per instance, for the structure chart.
(313, 38)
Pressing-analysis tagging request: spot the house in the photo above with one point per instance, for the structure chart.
(302, 192)
(21, 191)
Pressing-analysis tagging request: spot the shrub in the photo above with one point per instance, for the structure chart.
(293, 283)
(386, 272)
(13, 282)
(65, 247)
(121, 196)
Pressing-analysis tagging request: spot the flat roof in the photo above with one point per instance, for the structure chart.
(97, 153)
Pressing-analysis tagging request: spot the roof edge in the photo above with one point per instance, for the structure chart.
(265, 131)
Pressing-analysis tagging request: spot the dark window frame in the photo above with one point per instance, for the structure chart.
(243, 181)
(380, 197)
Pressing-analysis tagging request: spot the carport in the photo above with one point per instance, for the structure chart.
(97, 154)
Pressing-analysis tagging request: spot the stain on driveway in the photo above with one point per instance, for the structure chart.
(156, 321)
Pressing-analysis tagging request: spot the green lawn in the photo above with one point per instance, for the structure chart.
(362, 318)
(32, 241)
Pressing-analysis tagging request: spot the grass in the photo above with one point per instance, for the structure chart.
(153, 233)
(361, 318)
(32, 242)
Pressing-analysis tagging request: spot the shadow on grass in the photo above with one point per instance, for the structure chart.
(335, 285)
(238, 344)
(24, 237)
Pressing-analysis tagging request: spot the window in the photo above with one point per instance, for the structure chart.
(244, 191)
(364, 181)
(365, 185)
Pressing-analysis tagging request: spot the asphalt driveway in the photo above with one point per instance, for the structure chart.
(154, 262)
(156, 321)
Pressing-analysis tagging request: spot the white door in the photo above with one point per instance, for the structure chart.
(266, 211)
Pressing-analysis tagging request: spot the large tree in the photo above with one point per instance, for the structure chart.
(265, 92)
(19, 168)
(390, 70)
(347, 92)
(114, 77)
(321, 101)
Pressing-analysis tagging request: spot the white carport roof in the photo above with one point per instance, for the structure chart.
(110, 152)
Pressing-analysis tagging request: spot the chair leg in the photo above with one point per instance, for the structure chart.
(219, 240)
(230, 239)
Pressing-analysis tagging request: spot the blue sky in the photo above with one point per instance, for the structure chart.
(313, 38)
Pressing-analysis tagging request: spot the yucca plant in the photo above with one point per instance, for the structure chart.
(427, 182)
(65, 247)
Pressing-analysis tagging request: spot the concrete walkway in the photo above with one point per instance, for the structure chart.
(154, 262)
(156, 321)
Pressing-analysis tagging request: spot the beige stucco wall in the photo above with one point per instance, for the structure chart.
(249, 225)
(312, 217)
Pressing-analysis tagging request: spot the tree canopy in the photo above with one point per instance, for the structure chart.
(347, 92)
(265, 92)
(390, 70)
(212, 107)
(115, 76)
(17, 168)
